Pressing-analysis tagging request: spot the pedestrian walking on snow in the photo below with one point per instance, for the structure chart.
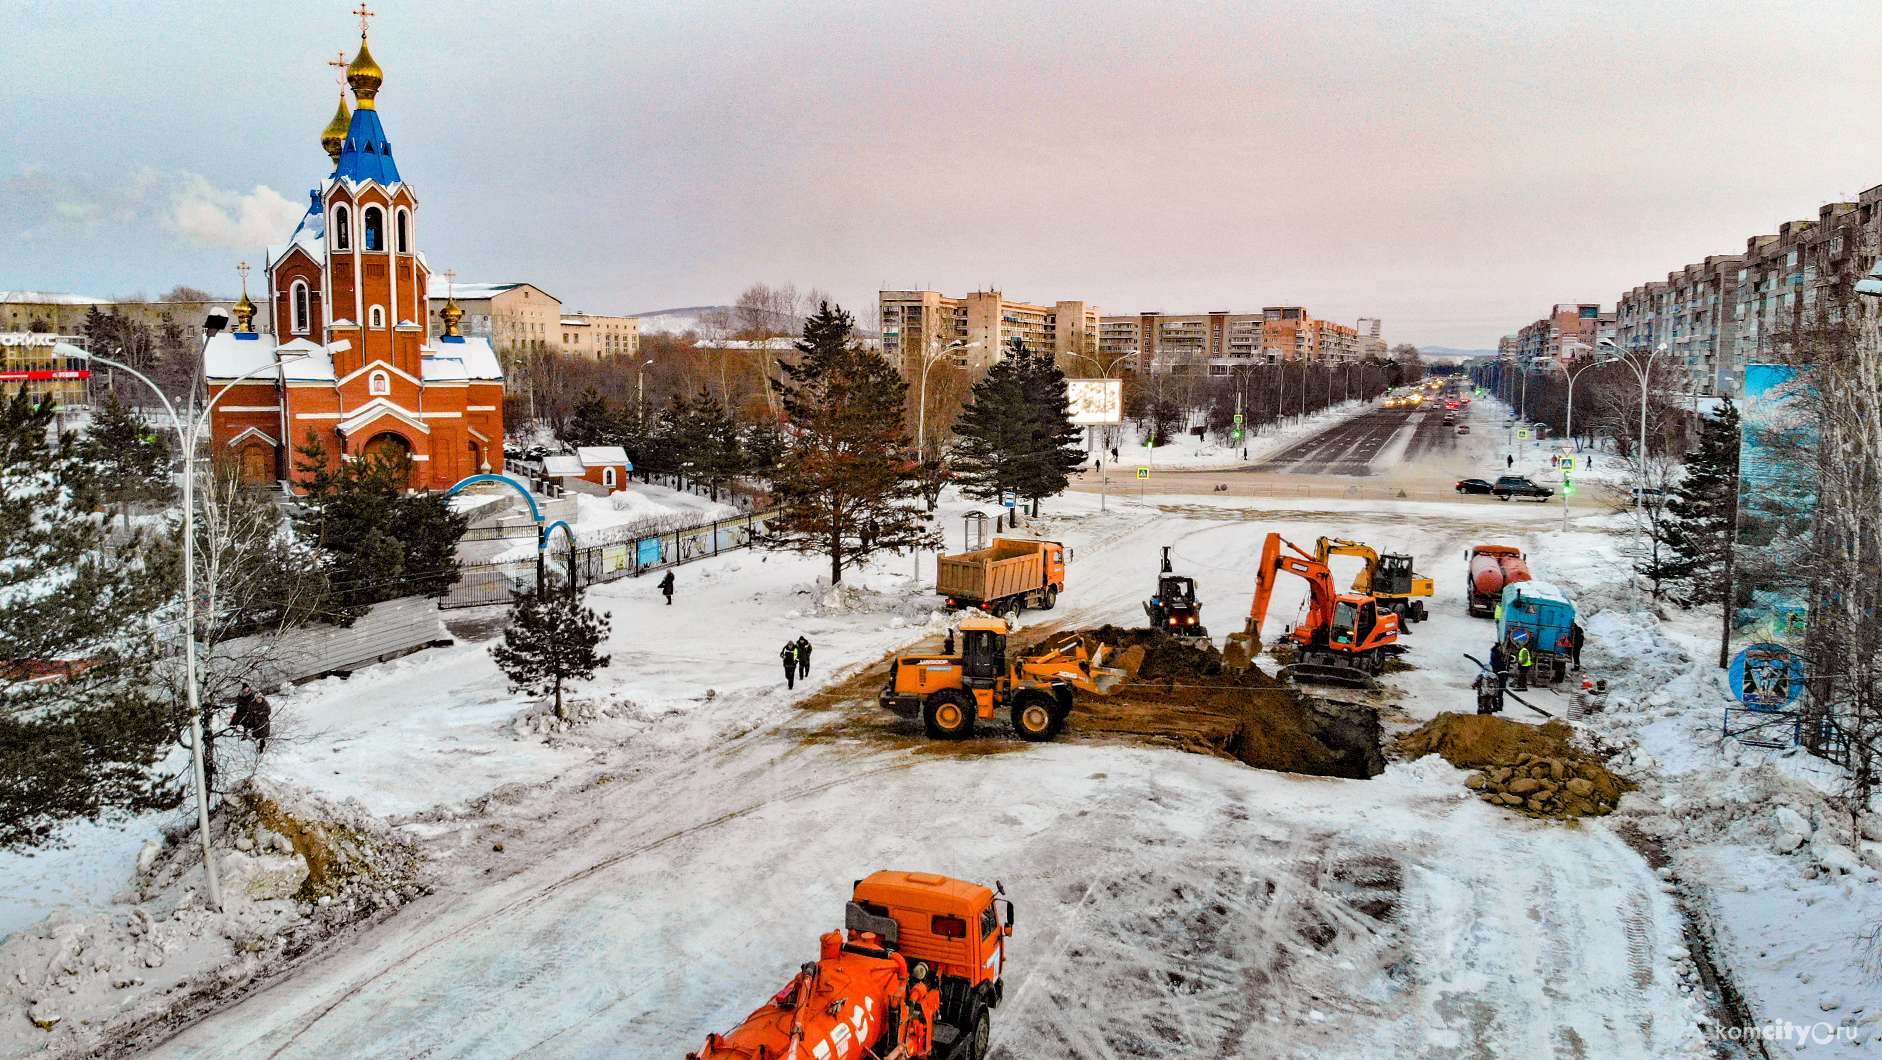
(1509, 460)
(789, 658)
(666, 587)
(803, 658)
(254, 713)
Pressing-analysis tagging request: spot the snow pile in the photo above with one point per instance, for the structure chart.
(294, 867)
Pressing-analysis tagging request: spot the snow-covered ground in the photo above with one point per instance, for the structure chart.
(1189, 451)
(627, 884)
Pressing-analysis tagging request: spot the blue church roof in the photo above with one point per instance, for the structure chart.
(366, 155)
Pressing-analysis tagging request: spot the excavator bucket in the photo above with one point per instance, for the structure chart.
(1320, 673)
(1247, 643)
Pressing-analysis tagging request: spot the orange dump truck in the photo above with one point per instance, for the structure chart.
(1013, 575)
(915, 980)
(1491, 568)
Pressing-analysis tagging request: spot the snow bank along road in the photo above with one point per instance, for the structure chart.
(683, 863)
(1383, 435)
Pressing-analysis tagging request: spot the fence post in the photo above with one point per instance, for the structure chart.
(715, 537)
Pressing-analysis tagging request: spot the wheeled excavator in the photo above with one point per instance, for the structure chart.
(952, 691)
(1388, 579)
(1345, 638)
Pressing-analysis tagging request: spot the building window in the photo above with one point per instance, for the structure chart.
(376, 316)
(299, 297)
(375, 228)
(607, 477)
(379, 382)
(342, 229)
(403, 221)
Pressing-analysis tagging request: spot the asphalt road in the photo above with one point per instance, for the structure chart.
(1365, 445)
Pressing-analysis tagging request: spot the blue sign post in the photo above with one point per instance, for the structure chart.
(1768, 679)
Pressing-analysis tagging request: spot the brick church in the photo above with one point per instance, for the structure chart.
(353, 362)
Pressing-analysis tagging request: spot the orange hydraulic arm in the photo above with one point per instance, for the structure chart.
(1319, 582)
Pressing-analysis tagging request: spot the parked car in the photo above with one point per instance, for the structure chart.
(1508, 486)
(1463, 428)
(1648, 493)
(1475, 485)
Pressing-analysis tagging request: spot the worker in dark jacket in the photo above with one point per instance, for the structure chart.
(803, 657)
(1489, 688)
(666, 588)
(1574, 644)
(789, 658)
(1499, 662)
(254, 713)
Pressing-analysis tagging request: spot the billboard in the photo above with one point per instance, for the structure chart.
(1095, 401)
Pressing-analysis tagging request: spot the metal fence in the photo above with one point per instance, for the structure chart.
(605, 561)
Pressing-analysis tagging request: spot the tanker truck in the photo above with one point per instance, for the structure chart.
(1491, 568)
(916, 979)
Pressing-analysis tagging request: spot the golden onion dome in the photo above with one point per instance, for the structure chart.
(334, 137)
(365, 76)
(245, 314)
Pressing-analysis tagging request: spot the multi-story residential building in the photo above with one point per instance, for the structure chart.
(1570, 332)
(599, 337)
(1371, 345)
(977, 328)
(1216, 342)
(65, 314)
(507, 314)
(1690, 315)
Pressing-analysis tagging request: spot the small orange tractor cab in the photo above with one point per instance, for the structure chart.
(950, 692)
(916, 979)
(1345, 638)
(1175, 610)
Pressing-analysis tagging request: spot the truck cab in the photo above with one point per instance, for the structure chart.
(958, 929)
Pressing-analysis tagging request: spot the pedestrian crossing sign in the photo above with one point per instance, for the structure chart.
(1522, 432)
(1568, 463)
(1143, 472)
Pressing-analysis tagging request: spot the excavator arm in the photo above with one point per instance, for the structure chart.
(1328, 547)
(1319, 582)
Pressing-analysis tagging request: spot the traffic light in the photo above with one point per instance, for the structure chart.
(1568, 487)
(1235, 435)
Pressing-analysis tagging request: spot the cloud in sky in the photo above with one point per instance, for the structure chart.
(201, 211)
(185, 210)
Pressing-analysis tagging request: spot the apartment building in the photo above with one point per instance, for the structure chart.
(1216, 342)
(1570, 332)
(599, 337)
(1371, 344)
(1691, 314)
(507, 314)
(65, 314)
(978, 327)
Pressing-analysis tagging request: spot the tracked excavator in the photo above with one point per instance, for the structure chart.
(1388, 579)
(951, 691)
(1344, 639)
(917, 978)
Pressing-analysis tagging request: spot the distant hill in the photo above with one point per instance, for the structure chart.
(1449, 354)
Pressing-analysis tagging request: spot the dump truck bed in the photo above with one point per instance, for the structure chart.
(1010, 567)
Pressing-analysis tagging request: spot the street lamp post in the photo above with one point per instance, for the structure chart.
(1569, 430)
(188, 436)
(1643, 371)
(640, 388)
(929, 360)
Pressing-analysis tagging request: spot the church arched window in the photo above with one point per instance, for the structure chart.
(376, 316)
(301, 315)
(379, 383)
(375, 228)
(342, 229)
(403, 223)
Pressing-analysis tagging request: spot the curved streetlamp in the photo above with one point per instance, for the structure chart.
(188, 436)
(1642, 371)
(929, 360)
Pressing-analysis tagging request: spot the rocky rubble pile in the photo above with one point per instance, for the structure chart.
(1549, 787)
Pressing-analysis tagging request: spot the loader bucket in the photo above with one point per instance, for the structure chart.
(1103, 680)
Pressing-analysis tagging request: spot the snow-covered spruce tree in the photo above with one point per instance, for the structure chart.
(1700, 514)
(846, 486)
(132, 461)
(1054, 452)
(994, 435)
(81, 610)
(551, 638)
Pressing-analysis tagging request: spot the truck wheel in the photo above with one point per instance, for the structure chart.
(1035, 716)
(948, 715)
(982, 1034)
(1051, 600)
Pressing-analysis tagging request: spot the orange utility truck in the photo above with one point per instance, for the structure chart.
(916, 979)
(1013, 575)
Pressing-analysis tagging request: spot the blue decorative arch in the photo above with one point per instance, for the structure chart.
(542, 545)
(506, 480)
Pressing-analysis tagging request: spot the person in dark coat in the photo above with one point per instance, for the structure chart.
(666, 588)
(254, 713)
(1509, 460)
(1574, 645)
(789, 658)
(1489, 688)
(1498, 661)
(803, 658)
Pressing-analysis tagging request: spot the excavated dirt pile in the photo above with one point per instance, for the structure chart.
(1182, 696)
(1533, 770)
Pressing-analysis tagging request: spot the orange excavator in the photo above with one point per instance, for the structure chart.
(1345, 638)
(916, 979)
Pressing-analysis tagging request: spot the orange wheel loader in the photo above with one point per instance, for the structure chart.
(952, 692)
(916, 979)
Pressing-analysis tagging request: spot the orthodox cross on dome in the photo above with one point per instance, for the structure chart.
(244, 309)
(364, 17)
(338, 62)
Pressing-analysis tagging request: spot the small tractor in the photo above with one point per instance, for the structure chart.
(950, 692)
(1175, 610)
(1388, 579)
(1344, 639)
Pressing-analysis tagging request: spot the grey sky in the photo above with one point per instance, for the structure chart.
(1453, 167)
